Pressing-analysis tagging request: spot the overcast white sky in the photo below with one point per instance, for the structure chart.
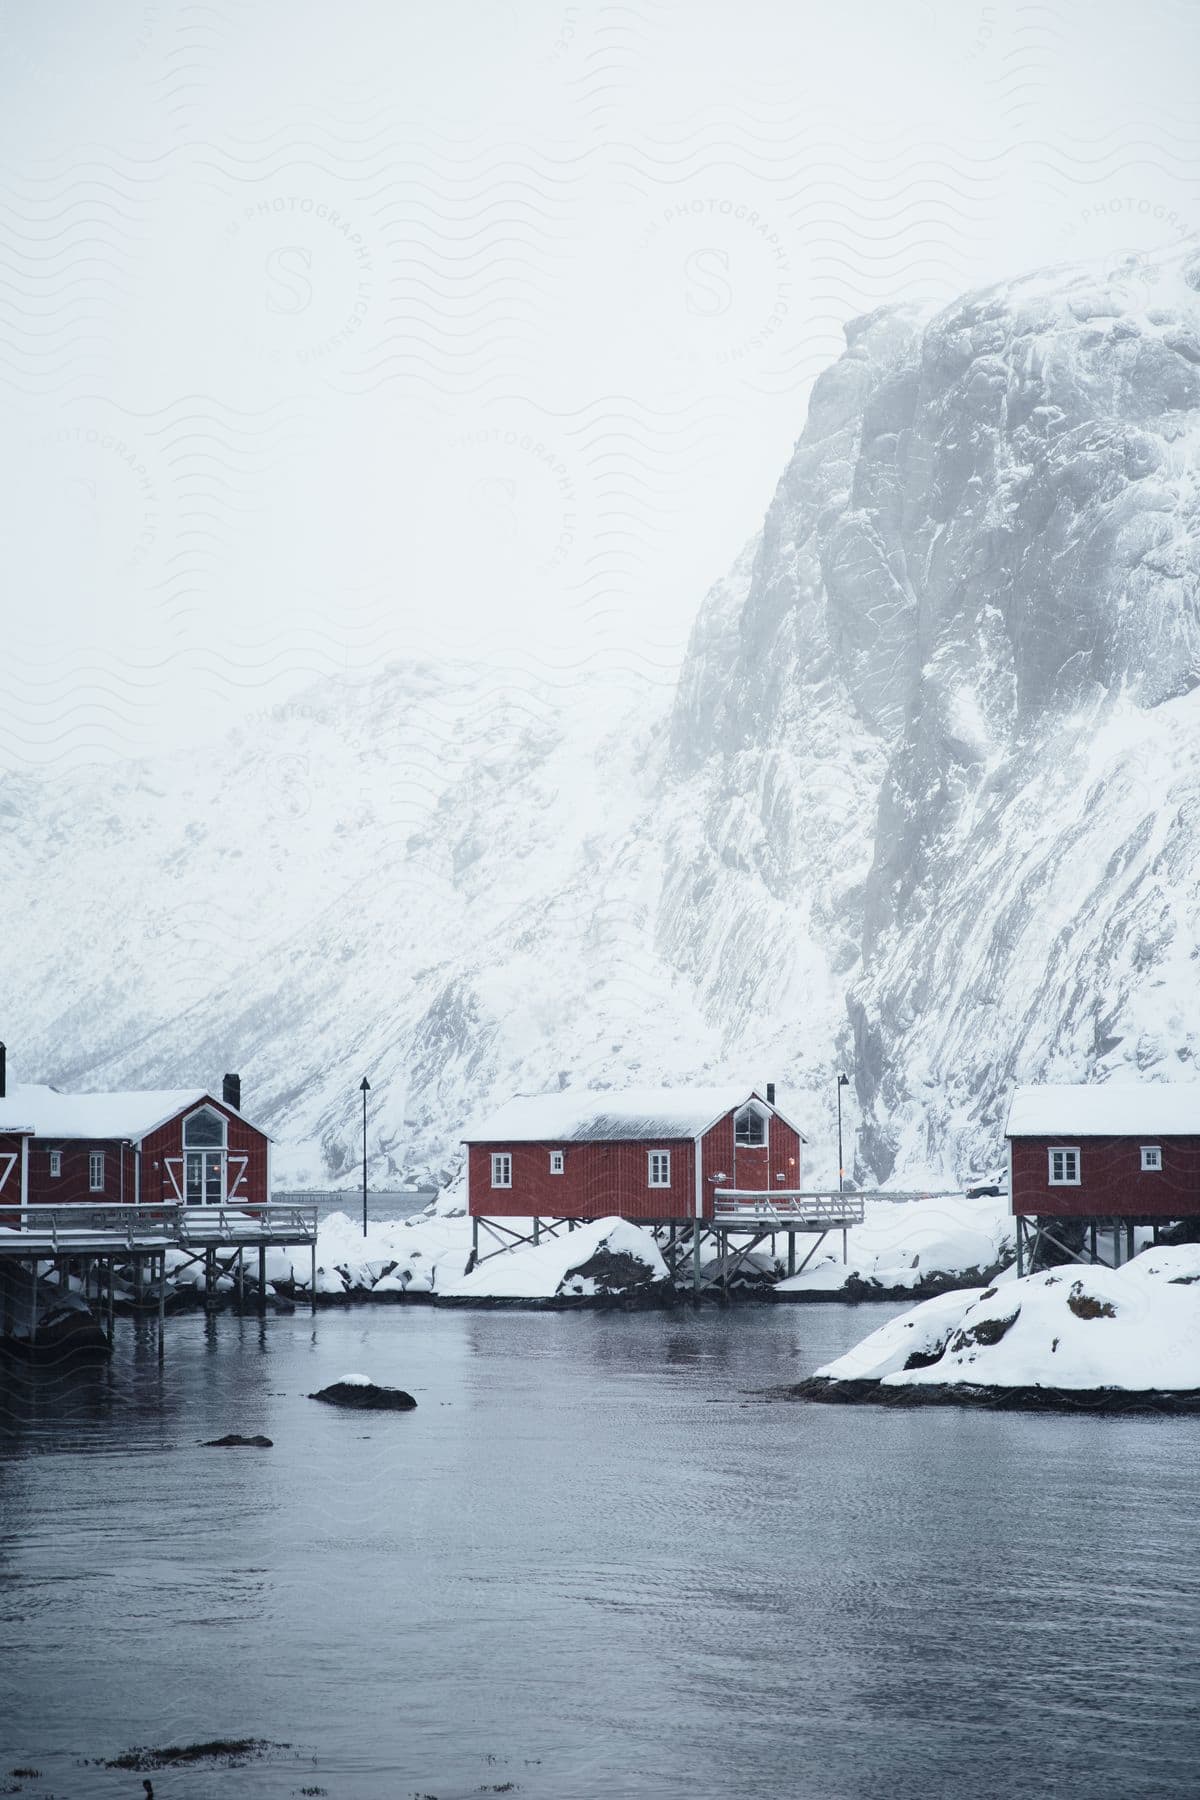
(336, 333)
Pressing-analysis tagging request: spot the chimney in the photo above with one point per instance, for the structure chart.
(3, 1071)
(770, 1093)
(231, 1092)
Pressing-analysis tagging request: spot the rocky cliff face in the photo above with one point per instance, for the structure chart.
(957, 700)
(924, 803)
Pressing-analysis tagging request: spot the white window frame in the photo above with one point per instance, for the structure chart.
(1064, 1150)
(95, 1171)
(557, 1162)
(502, 1168)
(1152, 1159)
(658, 1168)
(55, 1165)
(760, 1112)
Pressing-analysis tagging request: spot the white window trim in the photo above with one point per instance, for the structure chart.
(557, 1162)
(1155, 1151)
(1063, 1150)
(95, 1167)
(501, 1169)
(55, 1165)
(764, 1115)
(663, 1159)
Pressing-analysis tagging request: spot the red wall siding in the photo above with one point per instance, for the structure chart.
(597, 1179)
(167, 1141)
(10, 1192)
(1112, 1182)
(604, 1178)
(746, 1168)
(73, 1184)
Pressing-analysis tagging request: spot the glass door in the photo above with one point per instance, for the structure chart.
(204, 1177)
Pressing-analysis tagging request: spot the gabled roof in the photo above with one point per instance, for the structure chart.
(1147, 1109)
(129, 1116)
(578, 1116)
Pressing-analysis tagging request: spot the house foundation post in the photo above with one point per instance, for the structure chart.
(241, 1278)
(262, 1278)
(791, 1253)
(1116, 1243)
(535, 1230)
(1020, 1246)
(162, 1305)
(845, 1245)
(210, 1280)
(696, 1260)
(1092, 1240)
(312, 1287)
(112, 1302)
(33, 1304)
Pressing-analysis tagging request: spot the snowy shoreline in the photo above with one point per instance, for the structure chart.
(1079, 1337)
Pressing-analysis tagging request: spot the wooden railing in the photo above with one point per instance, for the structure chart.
(772, 1207)
(153, 1226)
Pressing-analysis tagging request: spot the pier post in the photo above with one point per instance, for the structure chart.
(791, 1253)
(262, 1278)
(474, 1242)
(1092, 1239)
(696, 1260)
(535, 1229)
(162, 1304)
(210, 1280)
(112, 1302)
(312, 1291)
(33, 1304)
(1116, 1243)
(241, 1278)
(1020, 1246)
(845, 1245)
(1129, 1243)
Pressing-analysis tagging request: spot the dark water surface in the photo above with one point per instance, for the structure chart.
(587, 1566)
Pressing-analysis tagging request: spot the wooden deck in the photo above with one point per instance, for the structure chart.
(80, 1230)
(789, 1209)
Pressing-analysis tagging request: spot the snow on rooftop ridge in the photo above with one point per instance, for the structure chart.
(48, 1113)
(1106, 1109)
(579, 1116)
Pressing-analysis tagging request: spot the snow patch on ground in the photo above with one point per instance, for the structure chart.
(901, 1243)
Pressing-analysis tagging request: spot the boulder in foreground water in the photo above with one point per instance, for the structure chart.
(232, 1441)
(360, 1391)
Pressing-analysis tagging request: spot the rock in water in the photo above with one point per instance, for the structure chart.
(357, 1391)
(231, 1441)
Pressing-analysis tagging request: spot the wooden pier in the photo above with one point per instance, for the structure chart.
(750, 1214)
(92, 1242)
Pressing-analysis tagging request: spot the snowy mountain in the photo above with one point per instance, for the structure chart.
(923, 803)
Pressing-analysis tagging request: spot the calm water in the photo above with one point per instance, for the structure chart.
(587, 1566)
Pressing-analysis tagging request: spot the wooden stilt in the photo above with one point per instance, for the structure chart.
(1116, 1243)
(33, 1303)
(696, 1260)
(791, 1253)
(535, 1230)
(162, 1305)
(1129, 1243)
(241, 1279)
(262, 1278)
(1092, 1240)
(1020, 1246)
(312, 1290)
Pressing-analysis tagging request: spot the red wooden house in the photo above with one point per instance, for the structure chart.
(179, 1146)
(654, 1155)
(1105, 1154)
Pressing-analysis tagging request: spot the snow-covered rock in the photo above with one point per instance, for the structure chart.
(605, 1256)
(1076, 1330)
(902, 1246)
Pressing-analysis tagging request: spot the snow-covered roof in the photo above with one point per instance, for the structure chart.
(581, 1116)
(1107, 1109)
(46, 1112)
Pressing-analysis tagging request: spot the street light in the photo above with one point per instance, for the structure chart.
(364, 1089)
(842, 1081)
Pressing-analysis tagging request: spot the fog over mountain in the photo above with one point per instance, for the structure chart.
(923, 804)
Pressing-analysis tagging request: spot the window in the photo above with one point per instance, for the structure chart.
(660, 1168)
(1152, 1156)
(96, 1172)
(502, 1170)
(1064, 1168)
(56, 1163)
(749, 1128)
(205, 1129)
(556, 1162)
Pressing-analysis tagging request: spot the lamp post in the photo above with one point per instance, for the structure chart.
(842, 1081)
(364, 1089)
